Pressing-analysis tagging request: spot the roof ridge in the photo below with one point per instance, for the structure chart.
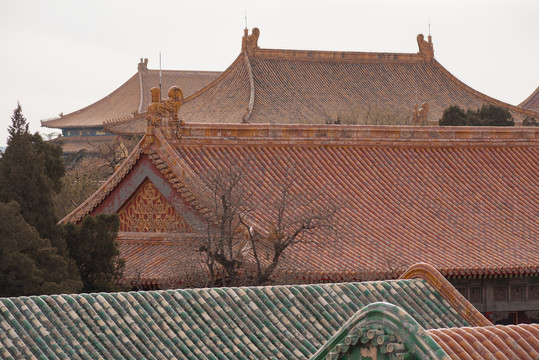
(428, 273)
(341, 56)
(374, 323)
(358, 135)
(252, 93)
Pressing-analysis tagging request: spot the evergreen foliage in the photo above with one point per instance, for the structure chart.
(488, 115)
(530, 121)
(30, 173)
(92, 246)
(30, 265)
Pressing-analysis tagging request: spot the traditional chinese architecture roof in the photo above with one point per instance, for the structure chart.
(461, 199)
(489, 342)
(271, 322)
(132, 97)
(321, 87)
(384, 331)
(532, 102)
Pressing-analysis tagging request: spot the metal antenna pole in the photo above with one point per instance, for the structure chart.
(159, 76)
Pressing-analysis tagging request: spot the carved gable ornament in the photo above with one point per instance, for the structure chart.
(149, 211)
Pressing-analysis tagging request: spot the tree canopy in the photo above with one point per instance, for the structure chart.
(34, 256)
(30, 265)
(92, 246)
(488, 115)
(30, 174)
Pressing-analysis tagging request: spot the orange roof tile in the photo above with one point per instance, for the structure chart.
(132, 96)
(461, 199)
(490, 342)
(320, 87)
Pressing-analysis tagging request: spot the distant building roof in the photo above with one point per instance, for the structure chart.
(271, 322)
(461, 198)
(131, 97)
(532, 102)
(320, 87)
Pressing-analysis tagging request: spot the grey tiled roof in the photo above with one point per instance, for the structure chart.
(272, 322)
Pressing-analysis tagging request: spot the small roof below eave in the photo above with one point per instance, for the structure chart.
(532, 101)
(131, 97)
(490, 342)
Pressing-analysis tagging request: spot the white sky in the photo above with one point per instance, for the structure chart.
(60, 56)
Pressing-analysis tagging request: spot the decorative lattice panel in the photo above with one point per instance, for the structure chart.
(149, 211)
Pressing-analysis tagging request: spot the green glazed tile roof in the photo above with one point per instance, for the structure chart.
(273, 322)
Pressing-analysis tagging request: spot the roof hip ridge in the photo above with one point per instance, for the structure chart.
(428, 273)
(252, 93)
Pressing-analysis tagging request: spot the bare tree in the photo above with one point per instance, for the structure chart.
(111, 154)
(223, 238)
(296, 216)
(246, 251)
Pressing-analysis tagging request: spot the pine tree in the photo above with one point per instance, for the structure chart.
(92, 245)
(30, 265)
(30, 173)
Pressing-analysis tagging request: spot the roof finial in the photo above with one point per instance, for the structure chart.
(143, 64)
(249, 43)
(426, 49)
(429, 27)
(245, 19)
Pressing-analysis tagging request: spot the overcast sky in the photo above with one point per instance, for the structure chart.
(60, 56)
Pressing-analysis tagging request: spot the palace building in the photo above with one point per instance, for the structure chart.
(290, 87)
(328, 87)
(84, 127)
(463, 199)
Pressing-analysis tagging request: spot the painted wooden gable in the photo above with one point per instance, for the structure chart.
(149, 211)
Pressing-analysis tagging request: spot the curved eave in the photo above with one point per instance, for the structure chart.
(61, 122)
(469, 89)
(216, 81)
